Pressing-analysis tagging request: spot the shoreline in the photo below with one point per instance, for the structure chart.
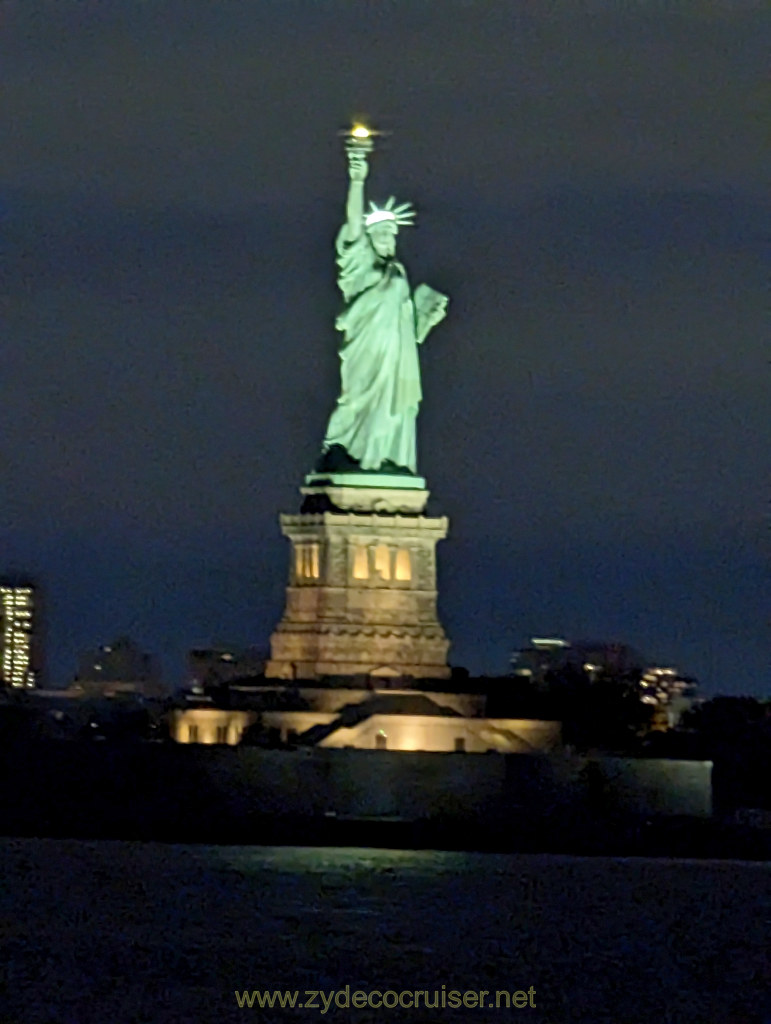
(662, 839)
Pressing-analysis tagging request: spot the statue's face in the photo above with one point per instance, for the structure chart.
(383, 238)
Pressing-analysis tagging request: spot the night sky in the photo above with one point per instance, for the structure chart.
(592, 190)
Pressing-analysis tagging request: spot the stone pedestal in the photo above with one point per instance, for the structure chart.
(361, 598)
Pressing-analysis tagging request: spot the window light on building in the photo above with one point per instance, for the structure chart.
(403, 567)
(307, 561)
(360, 563)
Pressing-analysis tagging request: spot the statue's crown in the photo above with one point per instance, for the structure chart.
(403, 215)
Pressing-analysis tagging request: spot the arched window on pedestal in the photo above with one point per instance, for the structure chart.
(307, 562)
(403, 567)
(361, 563)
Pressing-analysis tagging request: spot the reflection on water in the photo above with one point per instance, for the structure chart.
(110, 932)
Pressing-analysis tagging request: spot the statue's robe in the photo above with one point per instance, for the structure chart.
(374, 420)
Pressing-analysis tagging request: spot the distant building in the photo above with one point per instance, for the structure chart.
(550, 653)
(543, 655)
(118, 667)
(669, 692)
(212, 666)
(665, 689)
(20, 633)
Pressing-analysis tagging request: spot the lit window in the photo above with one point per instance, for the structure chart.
(307, 561)
(403, 568)
(361, 564)
(383, 561)
(315, 561)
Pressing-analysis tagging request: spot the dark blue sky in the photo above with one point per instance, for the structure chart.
(592, 193)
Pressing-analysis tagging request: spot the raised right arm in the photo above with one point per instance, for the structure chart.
(354, 210)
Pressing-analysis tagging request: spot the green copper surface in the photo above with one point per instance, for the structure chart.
(382, 323)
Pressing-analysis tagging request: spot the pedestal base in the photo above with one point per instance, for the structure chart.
(361, 599)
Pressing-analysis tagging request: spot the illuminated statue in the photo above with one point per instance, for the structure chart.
(382, 323)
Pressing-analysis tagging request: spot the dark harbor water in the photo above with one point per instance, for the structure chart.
(104, 932)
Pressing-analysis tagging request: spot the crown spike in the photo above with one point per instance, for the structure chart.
(401, 214)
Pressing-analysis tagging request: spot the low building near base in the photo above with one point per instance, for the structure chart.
(370, 719)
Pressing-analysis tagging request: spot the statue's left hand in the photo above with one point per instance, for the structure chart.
(438, 311)
(430, 309)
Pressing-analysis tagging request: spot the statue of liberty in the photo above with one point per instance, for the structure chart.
(372, 427)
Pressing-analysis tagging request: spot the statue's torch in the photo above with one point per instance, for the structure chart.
(359, 139)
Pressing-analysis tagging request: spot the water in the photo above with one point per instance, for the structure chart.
(107, 932)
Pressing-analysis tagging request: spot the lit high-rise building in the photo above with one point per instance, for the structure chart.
(19, 647)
